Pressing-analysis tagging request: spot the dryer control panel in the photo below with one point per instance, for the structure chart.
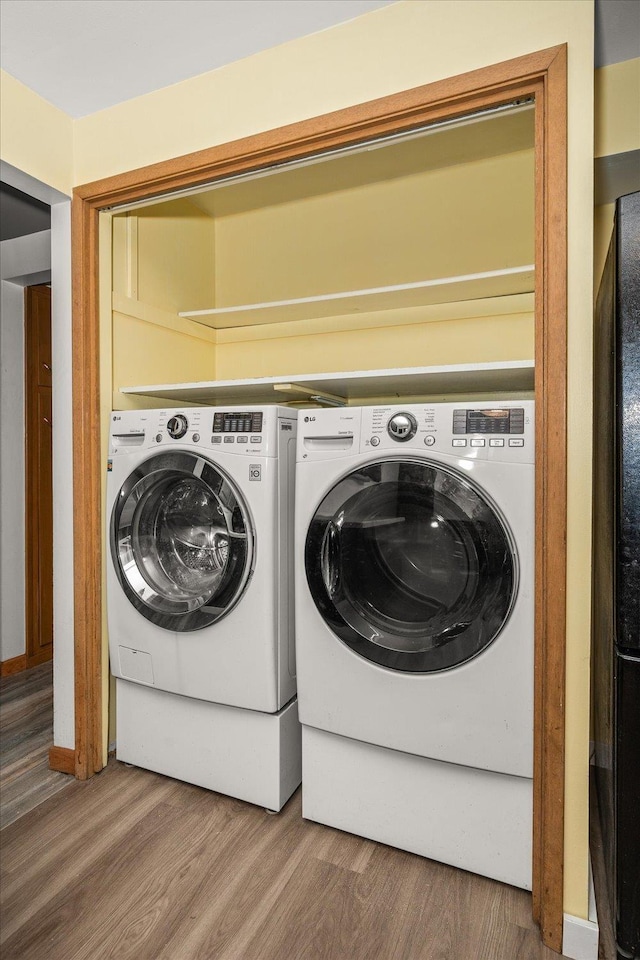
(481, 431)
(498, 431)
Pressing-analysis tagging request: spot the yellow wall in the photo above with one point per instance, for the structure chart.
(462, 219)
(35, 137)
(392, 49)
(400, 46)
(617, 130)
(617, 108)
(162, 262)
(463, 340)
(387, 229)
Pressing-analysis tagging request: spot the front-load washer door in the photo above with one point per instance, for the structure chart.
(181, 541)
(410, 565)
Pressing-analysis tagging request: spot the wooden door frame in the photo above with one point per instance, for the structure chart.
(541, 75)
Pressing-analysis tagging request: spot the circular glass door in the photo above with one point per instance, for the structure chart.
(181, 541)
(410, 565)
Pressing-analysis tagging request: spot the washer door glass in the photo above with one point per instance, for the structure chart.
(181, 541)
(410, 565)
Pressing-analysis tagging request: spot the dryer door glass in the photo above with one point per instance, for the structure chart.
(411, 566)
(181, 541)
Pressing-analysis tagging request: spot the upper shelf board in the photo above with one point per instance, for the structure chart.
(471, 286)
(504, 377)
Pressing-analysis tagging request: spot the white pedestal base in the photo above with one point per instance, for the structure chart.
(242, 753)
(473, 819)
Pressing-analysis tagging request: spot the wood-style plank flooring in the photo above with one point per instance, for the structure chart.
(26, 733)
(136, 866)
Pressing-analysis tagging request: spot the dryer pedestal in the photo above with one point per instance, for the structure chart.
(242, 753)
(473, 819)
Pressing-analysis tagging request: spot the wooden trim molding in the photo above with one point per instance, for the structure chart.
(551, 501)
(87, 494)
(14, 665)
(540, 75)
(62, 759)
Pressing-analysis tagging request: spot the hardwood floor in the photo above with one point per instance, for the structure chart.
(134, 865)
(26, 733)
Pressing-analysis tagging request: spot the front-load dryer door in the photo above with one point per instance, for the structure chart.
(410, 565)
(181, 541)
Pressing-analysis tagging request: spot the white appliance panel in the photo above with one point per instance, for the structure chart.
(479, 713)
(244, 658)
(458, 815)
(435, 758)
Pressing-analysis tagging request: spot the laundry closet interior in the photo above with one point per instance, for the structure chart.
(397, 271)
(414, 251)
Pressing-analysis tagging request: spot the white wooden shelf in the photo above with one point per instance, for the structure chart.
(503, 377)
(472, 286)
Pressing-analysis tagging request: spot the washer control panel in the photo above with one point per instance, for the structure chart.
(245, 431)
(177, 426)
(238, 421)
(402, 427)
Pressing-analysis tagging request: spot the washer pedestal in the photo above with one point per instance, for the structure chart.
(473, 819)
(242, 753)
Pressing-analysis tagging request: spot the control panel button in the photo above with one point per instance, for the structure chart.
(516, 420)
(243, 440)
(256, 439)
(496, 441)
(177, 426)
(215, 439)
(229, 439)
(477, 441)
(230, 421)
(516, 442)
(458, 442)
(429, 440)
(196, 437)
(158, 437)
(402, 426)
(459, 421)
(375, 441)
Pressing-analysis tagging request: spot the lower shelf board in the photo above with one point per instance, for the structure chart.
(514, 377)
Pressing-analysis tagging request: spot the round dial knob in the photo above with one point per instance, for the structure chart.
(402, 426)
(177, 426)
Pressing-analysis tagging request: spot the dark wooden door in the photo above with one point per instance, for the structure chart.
(38, 473)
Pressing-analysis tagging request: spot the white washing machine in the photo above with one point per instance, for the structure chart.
(200, 596)
(415, 628)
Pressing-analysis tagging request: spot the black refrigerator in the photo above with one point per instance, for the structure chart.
(616, 580)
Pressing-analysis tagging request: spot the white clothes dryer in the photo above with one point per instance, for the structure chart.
(414, 627)
(200, 596)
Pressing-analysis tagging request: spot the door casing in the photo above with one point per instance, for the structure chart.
(541, 75)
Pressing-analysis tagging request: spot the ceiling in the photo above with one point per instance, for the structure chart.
(85, 55)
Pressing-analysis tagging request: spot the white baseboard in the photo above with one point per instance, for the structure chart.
(579, 938)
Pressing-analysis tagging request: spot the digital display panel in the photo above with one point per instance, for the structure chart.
(489, 421)
(249, 422)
